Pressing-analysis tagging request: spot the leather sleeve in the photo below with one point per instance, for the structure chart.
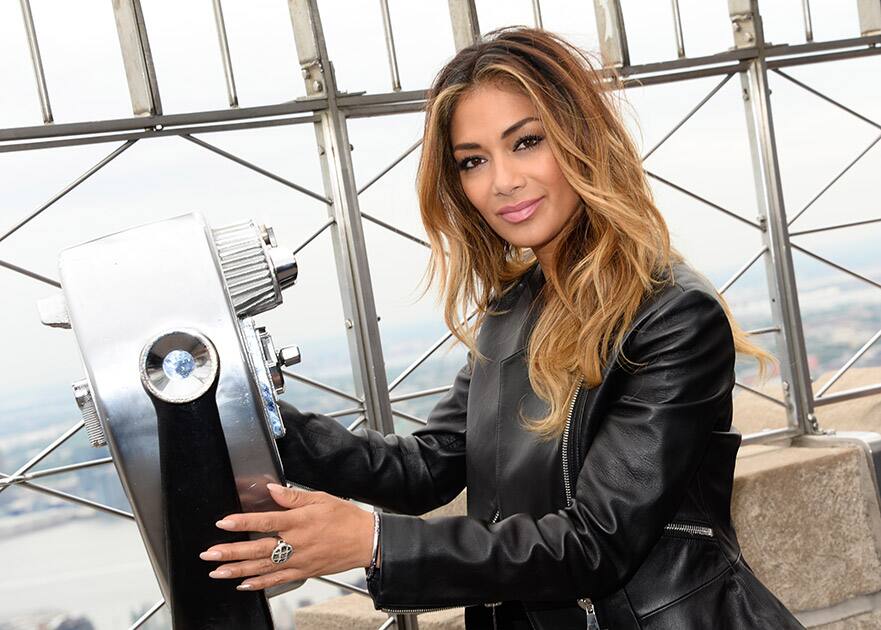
(409, 474)
(650, 443)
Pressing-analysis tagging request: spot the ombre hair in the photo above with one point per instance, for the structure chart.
(613, 251)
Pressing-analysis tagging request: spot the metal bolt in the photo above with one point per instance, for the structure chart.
(349, 323)
(815, 426)
(317, 86)
(785, 386)
(289, 355)
(305, 72)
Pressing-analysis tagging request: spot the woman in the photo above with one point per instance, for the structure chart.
(596, 398)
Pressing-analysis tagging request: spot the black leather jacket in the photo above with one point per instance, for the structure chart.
(626, 517)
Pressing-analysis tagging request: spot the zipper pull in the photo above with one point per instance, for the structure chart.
(493, 606)
(587, 605)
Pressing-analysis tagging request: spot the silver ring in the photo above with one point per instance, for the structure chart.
(282, 551)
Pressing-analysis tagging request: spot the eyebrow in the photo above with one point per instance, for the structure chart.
(507, 132)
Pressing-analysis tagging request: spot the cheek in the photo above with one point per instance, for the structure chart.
(558, 184)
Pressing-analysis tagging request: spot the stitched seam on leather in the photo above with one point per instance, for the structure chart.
(681, 598)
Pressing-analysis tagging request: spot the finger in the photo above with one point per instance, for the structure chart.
(246, 550)
(258, 521)
(272, 579)
(244, 569)
(293, 497)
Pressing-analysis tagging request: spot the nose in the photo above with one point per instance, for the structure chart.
(507, 177)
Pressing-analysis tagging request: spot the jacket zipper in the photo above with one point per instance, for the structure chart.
(584, 602)
(700, 531)
(681, 528)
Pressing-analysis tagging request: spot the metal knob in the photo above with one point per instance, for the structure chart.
(288, 356)
(86, 403)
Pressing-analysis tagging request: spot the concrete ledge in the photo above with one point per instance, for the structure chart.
(809, 524)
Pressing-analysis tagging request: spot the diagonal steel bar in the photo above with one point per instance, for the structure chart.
(849, 394)
(437, 344)
(397, 161)
(357, 423)
(763, 331)
(420, 394)
(828, 99)
(36, 459)
(392, 228)
(74, 499)
(835, 227)
(743, 269)
(685, 191)
(844, 368)
(79, 180)
(143, 618)
(30, 274)
(341, 584)
(693, 111)
(410, 417)
(834, 179)
(255, 168)
(388, 623)
(48, 472)
(760, 394)
(328, 388)
(835, 265)
(326, 225)
(339, 413)
(769, 435)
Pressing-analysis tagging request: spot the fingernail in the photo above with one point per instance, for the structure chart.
(244, 586)
(210, 555)
(274, 486)
(219, 573)
(224, 524)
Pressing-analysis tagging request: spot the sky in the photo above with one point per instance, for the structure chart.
(161, 178)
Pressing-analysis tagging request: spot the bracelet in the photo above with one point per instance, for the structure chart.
(376, 525)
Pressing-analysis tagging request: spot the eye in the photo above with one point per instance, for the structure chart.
(528, 141)
(469, 163)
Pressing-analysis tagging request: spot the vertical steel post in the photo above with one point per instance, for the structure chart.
(677, 27)
(231, 92)
(36, 60)
(466, 29)
(870, 17)
(139, 71)
(353, 270)
(783, 293)
(390, 45)
(809, 25)
(613, 36)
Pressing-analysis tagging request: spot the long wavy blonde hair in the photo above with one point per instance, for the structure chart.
(613, 251)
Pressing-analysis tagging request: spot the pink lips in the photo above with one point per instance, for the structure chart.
(521, 211)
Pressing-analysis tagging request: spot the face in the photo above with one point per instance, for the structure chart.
(508, 171)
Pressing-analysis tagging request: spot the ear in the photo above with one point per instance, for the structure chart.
(288, 497)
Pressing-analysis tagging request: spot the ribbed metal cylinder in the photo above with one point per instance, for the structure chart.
(247, 268)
